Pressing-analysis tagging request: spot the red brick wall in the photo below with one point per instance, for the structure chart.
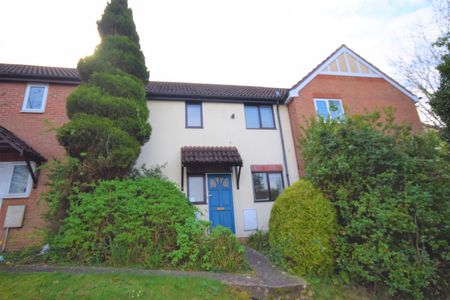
(357, 94)
(35, 130)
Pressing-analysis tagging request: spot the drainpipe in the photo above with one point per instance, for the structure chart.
(282, 142)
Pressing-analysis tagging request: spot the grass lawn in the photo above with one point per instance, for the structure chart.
(111, 286)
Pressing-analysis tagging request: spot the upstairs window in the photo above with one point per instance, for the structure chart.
(35, 98)
(267, 186)
(329, 109)
(194, 115)
(259, 117)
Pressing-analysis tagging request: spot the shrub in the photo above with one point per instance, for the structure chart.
(217, 251)
(108, 112)
(301, 228)
(104, 150)
(147, 222)
(391, 190)
(259, 240)
(139, 215)
(225, 252)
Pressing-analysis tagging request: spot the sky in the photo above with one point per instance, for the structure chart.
(245, 42)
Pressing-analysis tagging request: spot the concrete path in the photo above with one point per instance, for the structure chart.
(266, 282)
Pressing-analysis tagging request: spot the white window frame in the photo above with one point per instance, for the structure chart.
(327, 101)
(27, 94)
(10, 169)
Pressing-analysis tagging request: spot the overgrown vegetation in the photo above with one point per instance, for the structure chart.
(259, 240)
(146, 222)
(301, 228)
(108, 111)
(102, 211)
(391, 190)
(440, 100)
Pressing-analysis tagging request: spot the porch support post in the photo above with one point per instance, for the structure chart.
(237, 170)
(182, 177)
(34, 175)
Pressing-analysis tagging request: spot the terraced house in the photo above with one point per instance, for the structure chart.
(231, 149)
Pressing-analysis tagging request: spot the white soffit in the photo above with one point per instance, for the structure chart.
(345, 62)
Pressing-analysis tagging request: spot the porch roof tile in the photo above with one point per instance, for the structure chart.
(197, 155)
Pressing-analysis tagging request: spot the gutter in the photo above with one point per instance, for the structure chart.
(223, 99)
(282, 144)
(41, 79)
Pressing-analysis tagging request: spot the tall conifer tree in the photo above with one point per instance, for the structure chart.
(108, 112)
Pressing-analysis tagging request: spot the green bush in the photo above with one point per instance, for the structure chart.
(137, 217)
(104, 151)
(146, 222)
(301, 229)
(119, 84)
(218, 251)
(115, 52)
(126, 114)
(391, 190)
(108, 112)
(225, 252)
(259, 240)
(118, 19)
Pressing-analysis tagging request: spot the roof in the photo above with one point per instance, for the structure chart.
(183, 90)
(155, 89)
(344, 49)
(13, 72)
(10, 142)
(191, 155)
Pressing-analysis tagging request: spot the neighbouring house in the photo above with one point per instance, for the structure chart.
(345, 84)
(32, 102)
(231, 149)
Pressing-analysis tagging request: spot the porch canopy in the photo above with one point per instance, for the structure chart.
(10, 143)
(213, 159)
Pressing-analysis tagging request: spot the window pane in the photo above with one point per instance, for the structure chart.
(252, 117)
(276, 185)
(336, 110)
(260, 186)
(267, 117)
(194, 115)
(35, 97)
(321, 109)
(19, 180)
(196, 189)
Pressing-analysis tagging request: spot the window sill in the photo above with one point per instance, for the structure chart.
(33, 111)
(198, 203)
(263, 201)
(21, 196)
(272, 128)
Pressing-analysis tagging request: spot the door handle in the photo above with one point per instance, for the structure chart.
(221, 208)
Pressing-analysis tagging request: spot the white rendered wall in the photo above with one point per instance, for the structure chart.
(256, 147)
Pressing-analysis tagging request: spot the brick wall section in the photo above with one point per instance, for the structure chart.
(266, 168)
(33, 128)
(357, 94)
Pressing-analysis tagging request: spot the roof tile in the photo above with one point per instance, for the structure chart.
(191, 155)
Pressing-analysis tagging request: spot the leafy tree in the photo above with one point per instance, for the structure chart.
(416, 66)
(391, 190)
(108, 111)
(440, 100)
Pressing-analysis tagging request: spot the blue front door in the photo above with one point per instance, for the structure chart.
(221, 201)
